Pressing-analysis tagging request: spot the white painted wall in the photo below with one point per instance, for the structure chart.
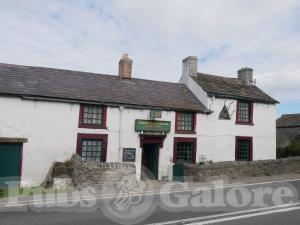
(217, 137)
(52, 128)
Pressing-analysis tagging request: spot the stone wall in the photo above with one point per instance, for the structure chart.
(234, 170)
(96, 174)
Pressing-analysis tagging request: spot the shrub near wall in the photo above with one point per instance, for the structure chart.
(234, 170)
(293, 149)
(97, 174)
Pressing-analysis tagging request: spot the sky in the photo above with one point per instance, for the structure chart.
(92, 35)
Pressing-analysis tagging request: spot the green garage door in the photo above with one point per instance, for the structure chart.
(10, 162)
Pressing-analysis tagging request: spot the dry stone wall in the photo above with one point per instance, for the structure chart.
(97, 174)
(234, 170)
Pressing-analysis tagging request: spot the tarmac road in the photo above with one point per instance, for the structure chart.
(280, 199)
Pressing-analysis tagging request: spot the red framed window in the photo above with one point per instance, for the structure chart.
(184, 150)
(185, 122)
(244, 113)
(244, 149)
(92, 146)
(92, 116)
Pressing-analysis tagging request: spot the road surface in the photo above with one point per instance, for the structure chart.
(262, 203)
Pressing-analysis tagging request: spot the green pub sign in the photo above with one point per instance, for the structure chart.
(152, 126)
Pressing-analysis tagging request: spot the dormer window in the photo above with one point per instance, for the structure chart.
(244, 113)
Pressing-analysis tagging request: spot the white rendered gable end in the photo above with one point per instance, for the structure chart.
(189, 69)
(195, 89)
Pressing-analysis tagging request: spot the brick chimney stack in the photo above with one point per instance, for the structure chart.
(125, 67)
(246, 75)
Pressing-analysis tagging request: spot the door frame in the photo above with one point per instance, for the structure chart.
(152, 139)
(21, 156)
(158, 153)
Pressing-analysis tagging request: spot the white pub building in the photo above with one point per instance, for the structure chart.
(49, 114)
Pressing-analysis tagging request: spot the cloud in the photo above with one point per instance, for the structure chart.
(91, 35)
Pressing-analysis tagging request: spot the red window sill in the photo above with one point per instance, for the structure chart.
(184, 132)
(91, 126)
(241, 123)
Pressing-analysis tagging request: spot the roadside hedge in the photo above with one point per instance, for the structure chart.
(293, 149)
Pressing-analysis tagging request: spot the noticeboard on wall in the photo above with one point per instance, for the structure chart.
(129, 154)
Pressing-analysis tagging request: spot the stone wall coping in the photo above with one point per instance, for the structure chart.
(91, 163)
(242, 163)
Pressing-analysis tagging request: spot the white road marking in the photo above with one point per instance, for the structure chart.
(147, 193)
(227, 214)
(247, 216)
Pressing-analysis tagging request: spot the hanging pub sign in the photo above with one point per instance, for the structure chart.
(152, 126)
(128, 154)
(224, 114)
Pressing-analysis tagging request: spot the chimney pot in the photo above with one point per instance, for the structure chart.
(246, 75)
(125, 67)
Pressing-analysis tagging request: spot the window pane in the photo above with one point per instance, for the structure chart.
(184, 152)
(244, 112)
(185, 121)
(92, 115)
(91, 149)
(243, 151)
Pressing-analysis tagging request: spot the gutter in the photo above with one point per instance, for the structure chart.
(132, 106)
(242, 98)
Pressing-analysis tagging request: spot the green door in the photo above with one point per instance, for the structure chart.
(178, 172)
(153, 161)
(10, 162)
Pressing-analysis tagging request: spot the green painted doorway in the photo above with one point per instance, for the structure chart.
(10, 164)
(150, 161)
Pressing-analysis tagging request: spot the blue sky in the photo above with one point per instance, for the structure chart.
(91, 35)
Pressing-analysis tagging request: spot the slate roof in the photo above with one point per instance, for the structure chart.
(70, 85)
(231, 88)
(288, 120)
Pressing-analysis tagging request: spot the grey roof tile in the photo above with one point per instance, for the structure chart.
(91, 87)
(289, 120)
(231, 88)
